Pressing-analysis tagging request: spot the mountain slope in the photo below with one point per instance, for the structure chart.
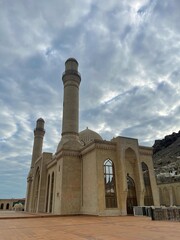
(166, 158)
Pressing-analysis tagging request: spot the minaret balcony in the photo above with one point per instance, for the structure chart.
(71, 72)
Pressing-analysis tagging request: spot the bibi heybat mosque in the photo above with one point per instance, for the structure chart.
(88, 175)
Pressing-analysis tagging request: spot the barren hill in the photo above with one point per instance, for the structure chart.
(166, 158)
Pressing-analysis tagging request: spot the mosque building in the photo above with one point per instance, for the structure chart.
(88, 175)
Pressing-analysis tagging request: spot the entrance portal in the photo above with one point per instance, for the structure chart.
(131, 196)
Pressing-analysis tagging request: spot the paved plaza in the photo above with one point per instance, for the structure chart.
(22, 226)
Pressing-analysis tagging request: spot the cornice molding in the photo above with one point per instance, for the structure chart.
(145, 151)
(52, 163)
(98, 144)
(72, 153)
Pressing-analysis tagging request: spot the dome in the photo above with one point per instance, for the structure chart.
(88, 135)
(40, 120)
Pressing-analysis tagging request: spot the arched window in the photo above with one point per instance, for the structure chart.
(148, 199)
(47, 194)
(7, 206)
(110, 184)
(52, 190)
(2, 205)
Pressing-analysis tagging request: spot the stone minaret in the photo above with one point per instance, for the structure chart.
(37, 151)
(68, 157)
(70, 125)
(38, 141)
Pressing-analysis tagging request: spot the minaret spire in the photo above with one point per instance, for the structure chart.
(37, 151)
(70, 125)
(38, 140)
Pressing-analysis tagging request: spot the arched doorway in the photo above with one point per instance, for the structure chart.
(166, 197)
(148, 198)
(131, 195)
(7, 206)
(36, 189)
(177, 195)
(47, 194)
(161, 196)
(132, 179)
(52, 193)
(2, 206)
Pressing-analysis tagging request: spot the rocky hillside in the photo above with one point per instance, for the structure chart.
(165, 142)
(166, 158)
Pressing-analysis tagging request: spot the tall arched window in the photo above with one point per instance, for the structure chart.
(2, 205)
(110, 184)
(47, 194)
(52, 191)
(148, 199)
(7, 206)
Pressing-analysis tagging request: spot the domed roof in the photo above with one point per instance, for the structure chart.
(40, 120)
(88, 135)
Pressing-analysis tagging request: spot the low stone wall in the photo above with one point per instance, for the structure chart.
(161, 213)
(170, 214)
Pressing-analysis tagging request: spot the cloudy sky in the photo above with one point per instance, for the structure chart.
(129, 58)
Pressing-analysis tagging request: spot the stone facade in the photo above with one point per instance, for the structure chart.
(88, 175)
(169, 194)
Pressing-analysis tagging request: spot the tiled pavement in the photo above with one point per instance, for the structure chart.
(84, 227)
(19, 214)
